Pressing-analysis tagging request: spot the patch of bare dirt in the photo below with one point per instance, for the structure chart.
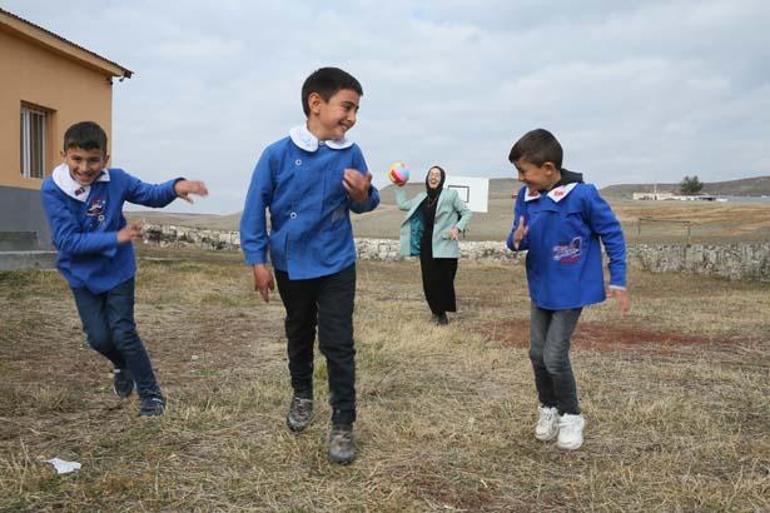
(599, 336)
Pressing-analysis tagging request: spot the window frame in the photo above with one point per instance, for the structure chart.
(34, 128)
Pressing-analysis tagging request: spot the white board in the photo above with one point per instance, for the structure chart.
(473, 191)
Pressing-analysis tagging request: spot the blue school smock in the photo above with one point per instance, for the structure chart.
(84, 222)
(299, 180)
(564, 256)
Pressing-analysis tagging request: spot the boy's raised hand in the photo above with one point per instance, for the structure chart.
(357, 185)
(623, 299)
(132, 231)
(183, 189)
(520, 233)
(263, 281)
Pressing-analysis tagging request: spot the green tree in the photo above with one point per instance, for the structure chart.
(689, 186)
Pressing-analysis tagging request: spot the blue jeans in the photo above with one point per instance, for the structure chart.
(550, 333)
(108, 321)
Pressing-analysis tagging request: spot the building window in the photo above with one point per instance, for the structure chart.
(34, 121)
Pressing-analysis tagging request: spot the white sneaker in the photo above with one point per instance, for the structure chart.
(547, 424)
(570, 432)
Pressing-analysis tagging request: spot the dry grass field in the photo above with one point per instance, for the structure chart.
(710, 223)
(675, 396)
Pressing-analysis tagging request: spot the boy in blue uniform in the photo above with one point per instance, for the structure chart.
(560, 220)
(310, 181)
(83, 201)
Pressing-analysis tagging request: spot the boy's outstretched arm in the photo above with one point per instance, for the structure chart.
(606, 225)
(253, 226)
(184, 188)
(160, 195)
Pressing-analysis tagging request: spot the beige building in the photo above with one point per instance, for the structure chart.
(48, 83)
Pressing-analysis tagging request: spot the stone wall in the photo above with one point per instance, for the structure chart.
(388, 249)
(180, 236)
(368, 249)
(744, 261)
(732, 261)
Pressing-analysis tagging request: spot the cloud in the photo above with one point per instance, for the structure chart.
(636, 91)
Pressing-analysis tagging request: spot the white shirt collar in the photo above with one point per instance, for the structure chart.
(528, 196)
(62, 178)
(556, 194)
(305, 140)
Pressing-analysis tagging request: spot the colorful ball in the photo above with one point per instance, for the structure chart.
(398, 173)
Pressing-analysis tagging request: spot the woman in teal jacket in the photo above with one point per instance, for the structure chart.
(429, 230)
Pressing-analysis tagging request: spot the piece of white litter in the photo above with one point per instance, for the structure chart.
(64, 467)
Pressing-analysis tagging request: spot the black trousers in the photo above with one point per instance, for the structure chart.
(438, 282)
(327, 303)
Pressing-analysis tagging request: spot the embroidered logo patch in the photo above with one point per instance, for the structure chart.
(568, 253)
(96, 209)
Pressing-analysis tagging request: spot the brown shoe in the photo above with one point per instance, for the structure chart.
(300, 413)
(342, 444)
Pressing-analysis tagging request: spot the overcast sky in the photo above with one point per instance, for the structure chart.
(636, 91)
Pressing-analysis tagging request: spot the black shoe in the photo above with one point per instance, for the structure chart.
(122, 382)
(300, 413)
(342, 444)
(442, 319)
(152, 406)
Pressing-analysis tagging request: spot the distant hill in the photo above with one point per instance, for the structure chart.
(204, 221)
(757, 186)
(499, 188)
(716, 221)
(504, 188)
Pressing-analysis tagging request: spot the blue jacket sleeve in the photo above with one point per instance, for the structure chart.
(369, 204)
(606, 225)
(65, 229)
(373, 199)
(149, 195)
(253, 228)
(518, 213)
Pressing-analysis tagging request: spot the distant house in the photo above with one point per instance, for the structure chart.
(657, 196)
(48, 83)
(661, 196)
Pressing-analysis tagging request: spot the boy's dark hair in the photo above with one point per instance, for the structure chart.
(327, 82)
(86, 135)
(537, 147)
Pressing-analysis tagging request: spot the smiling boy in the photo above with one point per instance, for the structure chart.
(83, 201)
(309, 182)
(561, 222)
